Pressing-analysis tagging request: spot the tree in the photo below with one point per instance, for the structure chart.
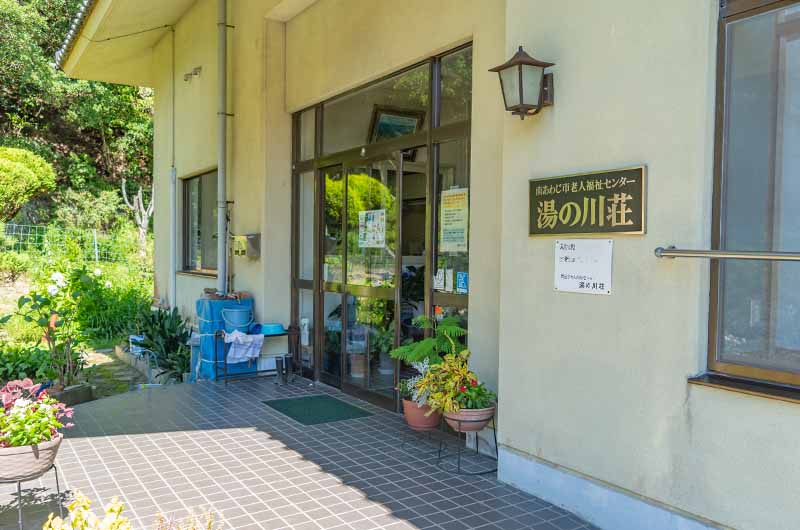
(141, 214)
(94, 134)
(23, 175)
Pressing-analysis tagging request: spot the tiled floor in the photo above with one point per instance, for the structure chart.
(190, 448)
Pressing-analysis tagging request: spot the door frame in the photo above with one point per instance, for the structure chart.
(430, 138)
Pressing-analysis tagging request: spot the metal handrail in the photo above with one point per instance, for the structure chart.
(757, 255)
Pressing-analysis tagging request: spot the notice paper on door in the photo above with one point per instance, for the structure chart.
(438, 280)
(454, 236)
(372, 229)
(448, 280)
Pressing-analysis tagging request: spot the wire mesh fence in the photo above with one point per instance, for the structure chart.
(89, 245)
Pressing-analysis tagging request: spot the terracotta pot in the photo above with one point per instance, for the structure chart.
(417, 419)
(28, 462)
(472, 420)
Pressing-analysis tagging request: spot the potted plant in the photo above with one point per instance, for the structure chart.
(454, 390)
(416, 411)
(443, 338)
(29, 430)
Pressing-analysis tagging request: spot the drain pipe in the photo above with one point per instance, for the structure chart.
(173, 199)
(222, 146)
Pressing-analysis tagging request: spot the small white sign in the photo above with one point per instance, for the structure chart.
(584, 265)
(438, 280)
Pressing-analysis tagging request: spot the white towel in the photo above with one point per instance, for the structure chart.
(243, 347)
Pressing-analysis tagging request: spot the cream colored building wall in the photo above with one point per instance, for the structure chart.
(162, 160)
(195, 134)
(598, 384)
(196, 145)
(336, 45)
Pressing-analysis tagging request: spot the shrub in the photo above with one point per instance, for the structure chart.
(166, 334)
(53, 310)
(20, 331)
(114, 297)
(88, 210)
(23, 175)
(13, 265)
(82, 518)
(19, 361)
(38, 165)
(15, 180)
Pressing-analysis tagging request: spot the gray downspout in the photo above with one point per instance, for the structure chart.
(222, 147)
(173, 199)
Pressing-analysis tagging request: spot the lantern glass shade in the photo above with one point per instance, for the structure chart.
(510, 82)
(523, 81)
(531, 84)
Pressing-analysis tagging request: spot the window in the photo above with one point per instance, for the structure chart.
(755, 317)
(200, 223)
(396, 106)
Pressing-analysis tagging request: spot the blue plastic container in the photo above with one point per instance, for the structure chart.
(209, 319)
(237, 319)
(268, 328)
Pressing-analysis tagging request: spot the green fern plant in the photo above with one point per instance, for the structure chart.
(444, 339)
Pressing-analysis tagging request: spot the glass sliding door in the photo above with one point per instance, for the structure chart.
(334, 315)
(381, 221)
(372, 263)
(413, 246)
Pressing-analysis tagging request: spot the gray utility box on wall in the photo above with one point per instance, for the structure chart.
(248, 245)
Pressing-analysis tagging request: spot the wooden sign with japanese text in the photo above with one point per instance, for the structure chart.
(589, 203)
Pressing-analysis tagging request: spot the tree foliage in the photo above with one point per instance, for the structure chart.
(23, 175)
(94, 134)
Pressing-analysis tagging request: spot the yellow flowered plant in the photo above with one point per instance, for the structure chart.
(82, 518)
(452, 385)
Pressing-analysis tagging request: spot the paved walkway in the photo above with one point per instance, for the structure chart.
(189, 448)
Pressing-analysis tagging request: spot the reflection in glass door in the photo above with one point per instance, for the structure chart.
(333, 257)
(371, 257)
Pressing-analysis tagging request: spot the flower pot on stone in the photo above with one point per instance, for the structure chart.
(470, 420)
(418, 418)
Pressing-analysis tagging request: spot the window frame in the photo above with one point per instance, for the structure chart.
(732, 11)
(186, 268)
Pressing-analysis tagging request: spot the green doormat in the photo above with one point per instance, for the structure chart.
(313, 410)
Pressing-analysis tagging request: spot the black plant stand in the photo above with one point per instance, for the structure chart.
(443, 456)
(19, 493)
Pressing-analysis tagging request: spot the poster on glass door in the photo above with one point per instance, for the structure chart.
(372, 229)
(455, 220)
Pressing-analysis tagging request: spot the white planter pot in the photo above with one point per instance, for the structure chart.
(28, 462)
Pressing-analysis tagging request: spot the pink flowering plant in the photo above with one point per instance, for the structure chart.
(29, 416)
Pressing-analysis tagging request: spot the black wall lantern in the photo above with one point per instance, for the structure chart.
(526, 87)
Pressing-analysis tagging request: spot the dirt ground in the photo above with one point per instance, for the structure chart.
(10, 293)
